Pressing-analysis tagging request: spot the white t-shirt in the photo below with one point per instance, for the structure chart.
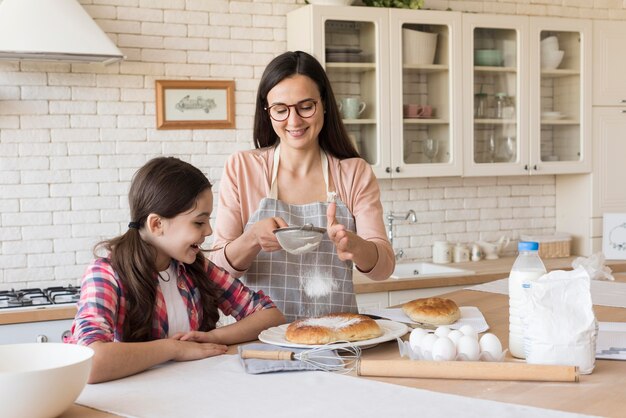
(177, 317)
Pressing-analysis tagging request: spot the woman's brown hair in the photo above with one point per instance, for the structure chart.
(167, 187)
(333, 137)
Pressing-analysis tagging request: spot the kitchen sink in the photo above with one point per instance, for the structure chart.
(426, 270)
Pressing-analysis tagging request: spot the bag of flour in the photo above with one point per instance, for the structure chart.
(560, 326)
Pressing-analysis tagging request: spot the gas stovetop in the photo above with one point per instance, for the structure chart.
(25, 298)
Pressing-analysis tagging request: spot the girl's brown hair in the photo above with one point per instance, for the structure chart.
(333, 137)
(167, 187)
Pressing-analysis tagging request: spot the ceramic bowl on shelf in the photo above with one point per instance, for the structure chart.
(551, 43)
(488, 57)
(551, 60)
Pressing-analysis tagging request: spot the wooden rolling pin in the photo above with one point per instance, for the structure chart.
(475, 370)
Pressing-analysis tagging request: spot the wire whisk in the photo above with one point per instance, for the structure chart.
(339, 356)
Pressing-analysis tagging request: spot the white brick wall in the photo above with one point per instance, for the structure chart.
(72, 135)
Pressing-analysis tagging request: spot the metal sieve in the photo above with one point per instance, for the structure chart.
(299, 239)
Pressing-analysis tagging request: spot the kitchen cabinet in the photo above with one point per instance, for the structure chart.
(609, 86)
(583, 200)
(411, 123)
(379, 300)
(522, 115)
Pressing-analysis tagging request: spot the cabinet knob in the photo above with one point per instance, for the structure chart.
(535, 167)
(388, 170)
(623, 111)
(397, 169)
(623, 100)
(526, 167)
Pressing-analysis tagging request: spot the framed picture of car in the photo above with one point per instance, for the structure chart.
(195, 104)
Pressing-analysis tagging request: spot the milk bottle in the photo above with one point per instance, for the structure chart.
(527, 268)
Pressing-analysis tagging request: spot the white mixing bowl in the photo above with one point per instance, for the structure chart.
(41, 380)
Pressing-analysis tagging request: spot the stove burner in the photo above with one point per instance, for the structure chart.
(39, 297)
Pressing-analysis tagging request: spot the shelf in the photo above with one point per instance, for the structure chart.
(559, 73)
(487, 69)
(433, 68)
(425, 121)
(495, 121)
(560, 122)
(359, 121)
(351, 66)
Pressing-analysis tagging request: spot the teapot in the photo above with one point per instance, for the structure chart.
(493, 250)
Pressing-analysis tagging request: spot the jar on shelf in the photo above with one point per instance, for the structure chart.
(501, 102)
(480, 105)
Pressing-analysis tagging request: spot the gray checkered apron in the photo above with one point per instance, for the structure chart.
(310, 284)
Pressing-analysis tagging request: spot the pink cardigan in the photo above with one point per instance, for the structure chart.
(246, 180)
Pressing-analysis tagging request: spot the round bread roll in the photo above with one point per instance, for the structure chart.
(333, 327)
(433, 311)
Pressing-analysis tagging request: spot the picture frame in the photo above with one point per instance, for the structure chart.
(195, 104)
(614, 236)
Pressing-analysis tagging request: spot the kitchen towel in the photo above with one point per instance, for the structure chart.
(323, 358)
(218, 387)
(603, 293)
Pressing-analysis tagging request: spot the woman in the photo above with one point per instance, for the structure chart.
(302, 155)
(155, 297)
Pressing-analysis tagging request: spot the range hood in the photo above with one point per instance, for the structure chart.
(52, 30)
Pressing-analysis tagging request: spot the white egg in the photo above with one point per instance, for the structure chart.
(426, 345)
(468, 348)
(444, 349)
(469, 331)
(491, 345)
(416, 336)
(454, 335)
(442, 331)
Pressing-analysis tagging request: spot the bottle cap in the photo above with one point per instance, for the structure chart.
(527, 246)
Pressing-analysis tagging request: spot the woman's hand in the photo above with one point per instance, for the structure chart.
(263, 233)
(349, 245)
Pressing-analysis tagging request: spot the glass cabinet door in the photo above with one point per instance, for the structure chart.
(495, 95)
(559, 100)
(352, 65)
(426, 58)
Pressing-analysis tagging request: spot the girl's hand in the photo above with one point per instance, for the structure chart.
(349, 245)
(263, 233)
(190, 350)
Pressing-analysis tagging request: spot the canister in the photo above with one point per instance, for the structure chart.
(442, 252)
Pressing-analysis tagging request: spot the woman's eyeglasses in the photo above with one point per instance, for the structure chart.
(280, 112)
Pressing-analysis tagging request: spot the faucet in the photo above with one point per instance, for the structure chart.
(409, 216)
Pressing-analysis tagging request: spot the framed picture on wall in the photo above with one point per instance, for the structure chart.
(614, 236)
(195, 104)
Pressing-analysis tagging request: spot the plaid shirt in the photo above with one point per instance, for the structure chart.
(102, 306)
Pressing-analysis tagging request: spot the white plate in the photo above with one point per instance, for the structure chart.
(391, 331)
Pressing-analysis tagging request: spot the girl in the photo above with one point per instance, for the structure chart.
(302, 153)
(155, 297)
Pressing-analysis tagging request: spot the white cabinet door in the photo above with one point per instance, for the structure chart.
(398, 297)
(371, 54)
(352, 43)
(609, 133)
(495, 90)
(377, 300)
(560, 96)
(609, 87)
(425, 113)
(528, 111)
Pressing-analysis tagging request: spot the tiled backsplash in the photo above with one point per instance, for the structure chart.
(71, 135)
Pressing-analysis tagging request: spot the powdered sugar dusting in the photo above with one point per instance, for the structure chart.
(332, 322)
(317, 282)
